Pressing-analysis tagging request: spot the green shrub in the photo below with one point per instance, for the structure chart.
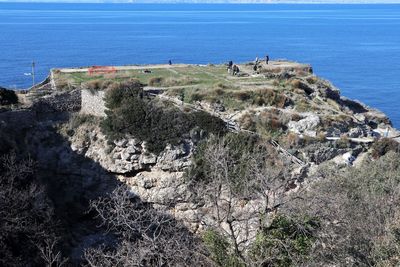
(8, 97)
(286, 242)
(152, 121)
(209, 123)
(270, 97)
(219, 248)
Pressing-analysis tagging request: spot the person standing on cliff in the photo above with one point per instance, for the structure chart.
(236, 70)
(266, 59)
(229, 68)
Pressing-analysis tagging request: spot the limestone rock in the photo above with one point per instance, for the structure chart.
(121, 142)
(309, 123)
(175, 158)
(148, 159)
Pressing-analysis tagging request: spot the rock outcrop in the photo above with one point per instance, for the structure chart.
(87, 165)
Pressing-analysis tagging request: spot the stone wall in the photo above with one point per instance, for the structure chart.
(93, 103)
(57, 102)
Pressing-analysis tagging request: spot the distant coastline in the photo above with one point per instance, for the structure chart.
(317, 2)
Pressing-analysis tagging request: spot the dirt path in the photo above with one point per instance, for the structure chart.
(119, 68)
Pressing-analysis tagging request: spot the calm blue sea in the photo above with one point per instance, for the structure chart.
(357, 47)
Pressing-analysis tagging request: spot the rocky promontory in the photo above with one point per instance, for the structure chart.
(215, 151)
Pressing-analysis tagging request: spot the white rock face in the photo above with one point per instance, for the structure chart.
(160, 179)
(344, 159)
(92, 103)
(304, 126)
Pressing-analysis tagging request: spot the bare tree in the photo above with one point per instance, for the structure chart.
(359, 213)
(50, 255)
(26, 215)
(147, 237)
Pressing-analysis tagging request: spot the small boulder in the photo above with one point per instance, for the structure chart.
(131, 150)
(147, 159)
(121, 142)
(307, 124)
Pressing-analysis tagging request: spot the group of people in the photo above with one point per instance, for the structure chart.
(266, 60)
(257, 62)
(234, 69)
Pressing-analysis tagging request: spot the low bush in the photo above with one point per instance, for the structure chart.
(343, 142)
(8, 97)
(295, 117)
(383, 146)
(219, 91)
(63, 84)
(270, 121)
(298, 84)
(285, 242)
(302, 105)
(247, 122)
(93, 85)
(312, 80)
(156, 81)
(209, 123)
(238, 148)
(290, 140)
(321, 137)
(195, 96)
(270, 97)
(219, 248)
(77, 120)
(242, 95)
(221, 86)
(358, 211)
(152, 121)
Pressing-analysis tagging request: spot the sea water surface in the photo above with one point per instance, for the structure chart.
(357, 47)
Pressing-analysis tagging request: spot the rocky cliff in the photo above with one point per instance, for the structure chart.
(302, 119)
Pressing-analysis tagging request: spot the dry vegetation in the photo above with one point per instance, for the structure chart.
(342, 217)
(359, 215)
